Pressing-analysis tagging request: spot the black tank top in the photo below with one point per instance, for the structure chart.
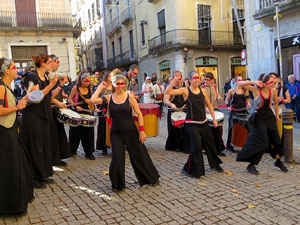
(265, 112)
(80, 99)
(238, 101)
(195, 106)
(121, 115)
(178, 99)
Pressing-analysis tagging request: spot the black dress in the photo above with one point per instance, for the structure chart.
(16, 188)
(124, 133)
(199, 134)
(36, 131)
(263, 134)
(81, 133)
(176, 139)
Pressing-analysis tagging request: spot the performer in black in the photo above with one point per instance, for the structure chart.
(36, 133)
(80, 92)
(16, 188)
(60, 145)
(237, 104)
(265, 132)
(101, 129)
(197, 128)
(175, 140)
(124, 133)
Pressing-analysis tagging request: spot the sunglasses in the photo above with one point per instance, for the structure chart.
(195, 78)
(120, 83)
(271, 82)
(86, 81)
(134, 73)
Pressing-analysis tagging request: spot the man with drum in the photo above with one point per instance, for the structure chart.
(197, 129)
(214, 97)
(175, 140)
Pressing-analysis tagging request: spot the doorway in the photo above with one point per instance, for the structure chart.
(296, 66)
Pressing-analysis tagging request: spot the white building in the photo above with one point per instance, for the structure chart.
(262, 37)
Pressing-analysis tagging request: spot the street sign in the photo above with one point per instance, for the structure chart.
(243, 55)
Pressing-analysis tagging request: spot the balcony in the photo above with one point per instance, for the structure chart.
(98, 37)
(121, 60)
(267, 8)
(12, 20)
(113, 27)
(126, 16)
(194, 39)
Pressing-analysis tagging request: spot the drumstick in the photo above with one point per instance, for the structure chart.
(79, 103)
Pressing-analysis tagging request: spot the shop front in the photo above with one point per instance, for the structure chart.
(207, 64)
(165, 70)
(237, 69)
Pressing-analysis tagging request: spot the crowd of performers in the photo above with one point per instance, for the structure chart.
(32, 145)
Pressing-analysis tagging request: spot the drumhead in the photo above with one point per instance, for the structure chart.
(70, 113)
(36, 96)
(87, 116)
(219, 116)
(178, 116)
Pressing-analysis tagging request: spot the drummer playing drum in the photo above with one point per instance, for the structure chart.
(197, 129)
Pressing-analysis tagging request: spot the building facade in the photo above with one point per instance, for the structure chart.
(120, 25)
(262, 39)
(90, 43)
(200, 35)
(29, 27)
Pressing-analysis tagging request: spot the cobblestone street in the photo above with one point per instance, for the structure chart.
(82, 193)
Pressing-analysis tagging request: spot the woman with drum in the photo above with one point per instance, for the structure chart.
(124, 133)
(101, 130)
(265, 132)
(236, 101)
(16, 188)
(36, 133)
(176, 139)
(197, 129)
(60, 145)
(80, 92)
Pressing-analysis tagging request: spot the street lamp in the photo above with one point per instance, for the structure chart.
(276, 4)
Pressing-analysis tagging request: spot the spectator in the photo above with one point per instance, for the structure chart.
(134, 86)
(294, 90)
(148, 91)
(18, 90)
(226, 87)
(159, 91)
(154, 78)
(132, 72)
(168, 82)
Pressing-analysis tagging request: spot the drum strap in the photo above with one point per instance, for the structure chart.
(196, 122)
(91, 106)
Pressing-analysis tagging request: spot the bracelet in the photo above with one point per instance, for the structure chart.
(141, 128)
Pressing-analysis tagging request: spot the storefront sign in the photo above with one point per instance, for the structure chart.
(289, 41)
(236, 61)
(206, 61)
(165, 65)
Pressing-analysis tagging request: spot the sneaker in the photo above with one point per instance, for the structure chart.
(230, 148)
(189, 175)
(281, 166)
(251, 169)
(217, 168)
(90, 157)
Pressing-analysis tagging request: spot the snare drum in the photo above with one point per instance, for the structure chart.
(178, 119)
(88, 120)
(219, 118)
(69, 117)
(36, 96)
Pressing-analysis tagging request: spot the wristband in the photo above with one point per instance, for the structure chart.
(141, 128)
(282, 100)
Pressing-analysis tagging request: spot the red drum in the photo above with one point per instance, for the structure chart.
(240, 130)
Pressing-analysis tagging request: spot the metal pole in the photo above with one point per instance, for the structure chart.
(276, 3)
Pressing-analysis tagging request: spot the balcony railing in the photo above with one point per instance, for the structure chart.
(195, 38)
(37, 19)
(113, 26)
(121, 60)
(264, 4)
(126, 15)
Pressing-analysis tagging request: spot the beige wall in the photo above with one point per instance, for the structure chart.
(7, 5)
(53, 6)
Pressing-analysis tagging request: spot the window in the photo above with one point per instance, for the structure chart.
(113, 49)
(143, 33)
(236, 33)
(98, 7)
(89, 15)
(204, 23)
(110, 18)
(162, 26)
(93, 11)
(118, 12)
(120, 45)
(131, 44)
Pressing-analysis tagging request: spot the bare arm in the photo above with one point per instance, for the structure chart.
(209, 106)
(229, 94)
(287, 97)
(12, 109)
(180, 91)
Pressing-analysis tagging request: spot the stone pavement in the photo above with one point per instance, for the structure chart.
(82, 193)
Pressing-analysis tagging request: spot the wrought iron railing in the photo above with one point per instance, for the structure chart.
(264, 4)
(37, 19)
(121, 59)
(126, 15)
(187, 37)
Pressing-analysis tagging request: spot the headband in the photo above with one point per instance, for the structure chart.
(117, 77)
(84, 75)
(5, 65)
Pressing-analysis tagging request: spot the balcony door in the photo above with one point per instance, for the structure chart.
(204, 23)
(26, 13)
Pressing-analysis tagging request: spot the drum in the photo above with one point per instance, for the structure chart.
(107, 136)
(36, 96)
(150, 113)
(219, 118)
(178, 119)
(69, 117)
(240, 130)
(87, 120)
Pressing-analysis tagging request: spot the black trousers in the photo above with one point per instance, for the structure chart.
(83, 134)
(218, 139)
(101, 134)
(263, 135)
(140, 160)
(200, 135)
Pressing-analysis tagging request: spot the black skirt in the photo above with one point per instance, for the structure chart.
(16, 188)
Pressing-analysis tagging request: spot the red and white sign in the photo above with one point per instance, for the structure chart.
(243, 54)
